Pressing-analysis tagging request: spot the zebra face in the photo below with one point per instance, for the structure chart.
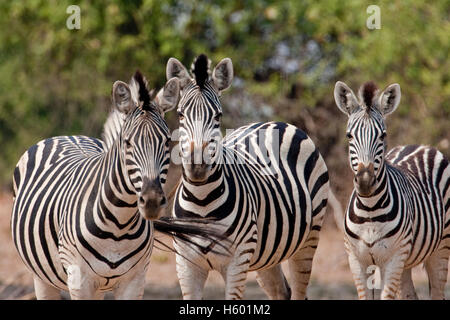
(366, 130)
(146, 154)
(144, 141)
(199, 113)
(366, 134)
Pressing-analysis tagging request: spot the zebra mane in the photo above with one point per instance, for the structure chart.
(200, 69)
(367, 93)
(140, 92)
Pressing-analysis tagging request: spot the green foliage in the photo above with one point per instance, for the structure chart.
(287, 56)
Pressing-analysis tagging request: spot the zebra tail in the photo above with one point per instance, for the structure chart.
(167, 248)
(187, 229)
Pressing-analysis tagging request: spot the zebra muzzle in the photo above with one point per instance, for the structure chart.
(198, 163)
(198, 172)
(365, 179)
(152, 200)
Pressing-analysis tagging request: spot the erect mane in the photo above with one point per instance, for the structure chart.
(140, 87)
(367, 94)
(200, 69)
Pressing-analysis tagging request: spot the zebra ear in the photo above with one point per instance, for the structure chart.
(167, 98)
(174, 69)
(222, 74)
(390, 99)
(121, 96)
(345, 98)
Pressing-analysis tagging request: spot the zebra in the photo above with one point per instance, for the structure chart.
(82, 212)
(266, 183)
(398, 215)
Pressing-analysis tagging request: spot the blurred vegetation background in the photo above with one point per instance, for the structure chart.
(287, 57)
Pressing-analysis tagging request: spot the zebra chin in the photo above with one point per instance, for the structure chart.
(153, 213)
(197, 173)
(151, 199)
(365, 186)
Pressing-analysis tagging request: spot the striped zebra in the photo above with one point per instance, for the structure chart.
(266, 183)
(81, 213)
(398, 215)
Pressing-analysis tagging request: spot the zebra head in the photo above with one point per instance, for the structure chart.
(200, 113)
(143, 141)
(366, 130)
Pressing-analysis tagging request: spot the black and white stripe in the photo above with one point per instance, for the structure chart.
(266, 183)
(399, 213)
(82, 211)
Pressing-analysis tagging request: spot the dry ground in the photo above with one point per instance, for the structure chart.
(330, 279)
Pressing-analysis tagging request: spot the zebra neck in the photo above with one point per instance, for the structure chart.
(202, 199)
(117, 200)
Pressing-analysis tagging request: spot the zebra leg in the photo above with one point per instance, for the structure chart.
(300, 264)
(235, 279)
(407, 290)
(45, 291)
(235, 271)
(87, 292)
(437, 268)
(359, 273)
(81, 285)
(192, 278)
(131, 289)
(392, 274)
(273, 282)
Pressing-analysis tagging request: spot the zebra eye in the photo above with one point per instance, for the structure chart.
(180, 116)
(218, 116)
(349, 136)
(383, 135)
(127, 143)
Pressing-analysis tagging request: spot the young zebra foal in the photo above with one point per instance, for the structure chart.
(398, 215)
(82, 210)
(266, 183)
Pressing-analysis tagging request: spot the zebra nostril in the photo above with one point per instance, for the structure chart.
(141, 200)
